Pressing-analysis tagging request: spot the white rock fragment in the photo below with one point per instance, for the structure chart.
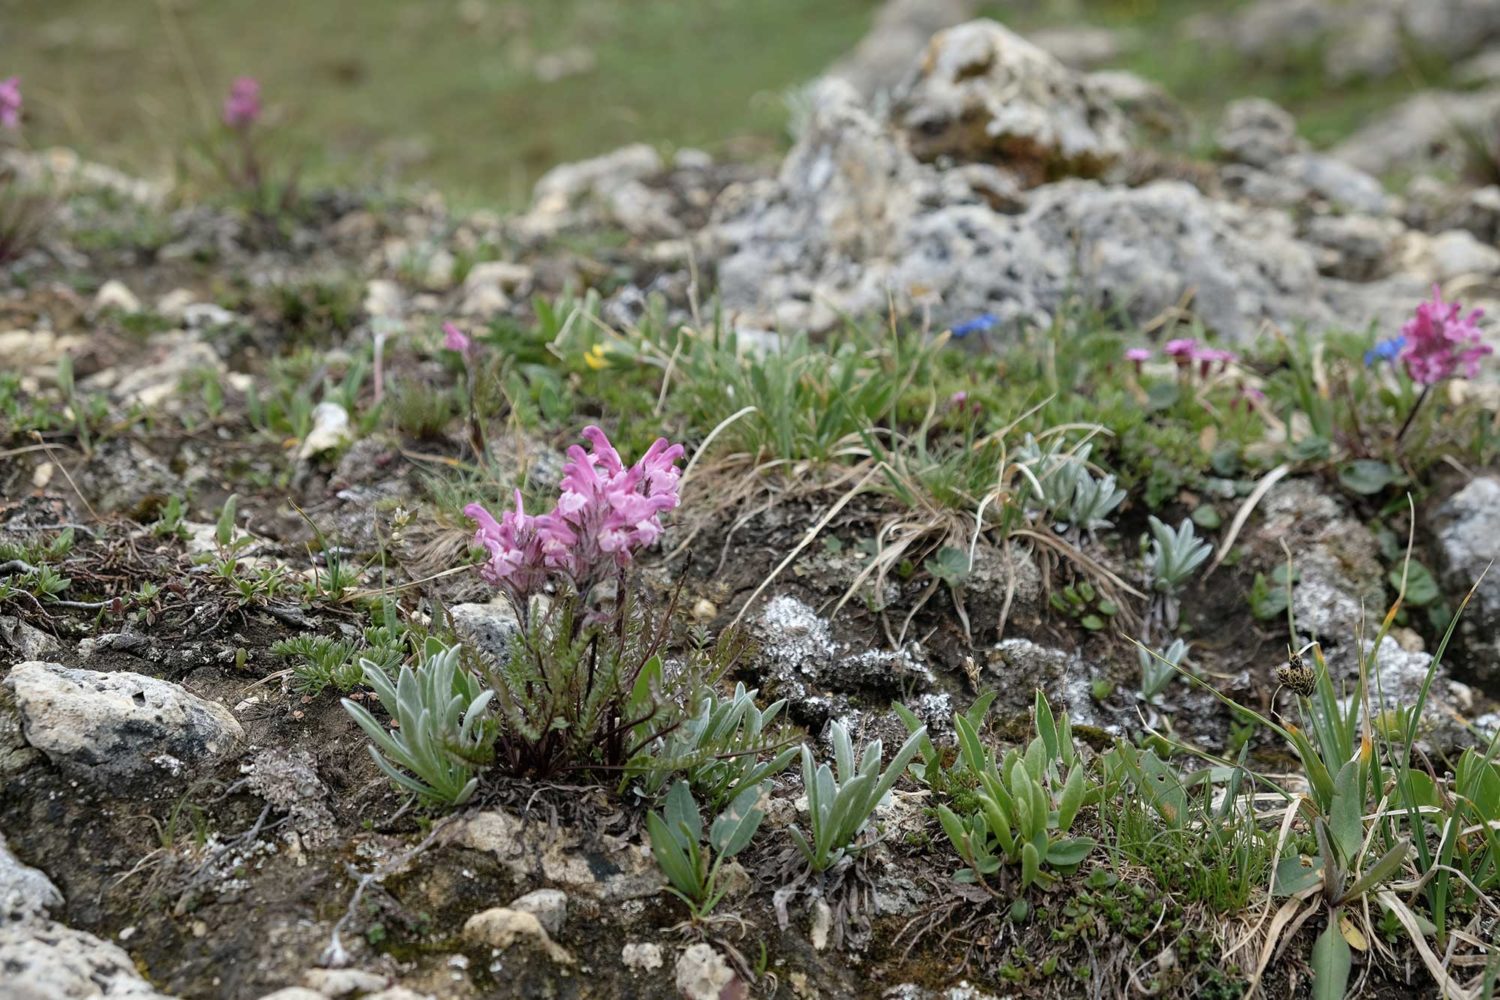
(25, 892)
(641, 956)
(702, 973)
(501, 928)
(549, 906)
(42, 960)
(115, 725)
(330, 430)
(114, 294)
(343, 982)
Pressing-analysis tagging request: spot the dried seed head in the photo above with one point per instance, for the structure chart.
(1297, 674)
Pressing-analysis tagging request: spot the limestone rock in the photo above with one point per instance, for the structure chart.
(118, 725)
(900, 32)
(704, 974)
(1467, 527)
(26, 893)
(1257, 132)
(609, 869)
(502, 928)
(982, 92)
(550, 906)
(641, 957)
(114, 295)
(43, 960)
(489, 628)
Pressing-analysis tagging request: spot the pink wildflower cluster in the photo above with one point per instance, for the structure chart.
(242, 106)
(10, 102)
(605, 515)
(1439, 340)
(1186, 352)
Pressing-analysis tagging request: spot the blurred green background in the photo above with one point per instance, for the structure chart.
(478, 97)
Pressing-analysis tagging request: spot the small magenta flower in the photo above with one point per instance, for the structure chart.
(1439, 341)
(983, 323)
(1138, 356)
(242, 106)
(1207, 357)
(1183, 351)
(455, 339)
(958, 399)
(10, 102)
(1385, 350)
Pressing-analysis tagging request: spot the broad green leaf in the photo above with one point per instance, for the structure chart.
(734, 828)
(1331, 961)
(1366, 476)
(1072, 851)
(1292, 877)
(1345, 820)
(681, 812)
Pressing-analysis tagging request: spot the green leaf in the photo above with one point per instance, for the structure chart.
(1046, 727)
(1345, 818)
(1206, 516)
(1421, 588)
(1031, 864)
(950, 565)
(681, 812)
(732, 831)
(1331, 961)
(1091, 622)
(1390, 862)
(1070, 800)
(1070, 851)
(1292, 877)
(671, 857)
(1366, 476)
(224, 530)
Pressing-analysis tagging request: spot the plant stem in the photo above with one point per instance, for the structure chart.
(1413, 414)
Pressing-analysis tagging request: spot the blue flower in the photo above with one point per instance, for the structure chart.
(983, 323)
(1385, 350)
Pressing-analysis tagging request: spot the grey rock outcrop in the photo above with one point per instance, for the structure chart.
(1467, 528)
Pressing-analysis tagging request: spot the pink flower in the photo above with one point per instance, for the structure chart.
(1138, 355)
(612, 511)
(605, 515)
(958, 399)
(1207, 357)
(242, 106)
(455, 339)
(1182, 350)
(1439, 341)
(10, 102)
(515, 544)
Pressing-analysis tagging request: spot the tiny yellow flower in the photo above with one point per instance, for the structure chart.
(595, 358)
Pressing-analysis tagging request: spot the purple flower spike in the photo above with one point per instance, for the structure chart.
(10, 102)
(1439, 341)
(605, 515)
(455, 339)
(242, 107)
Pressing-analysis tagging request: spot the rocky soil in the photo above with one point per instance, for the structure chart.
(177, 820)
